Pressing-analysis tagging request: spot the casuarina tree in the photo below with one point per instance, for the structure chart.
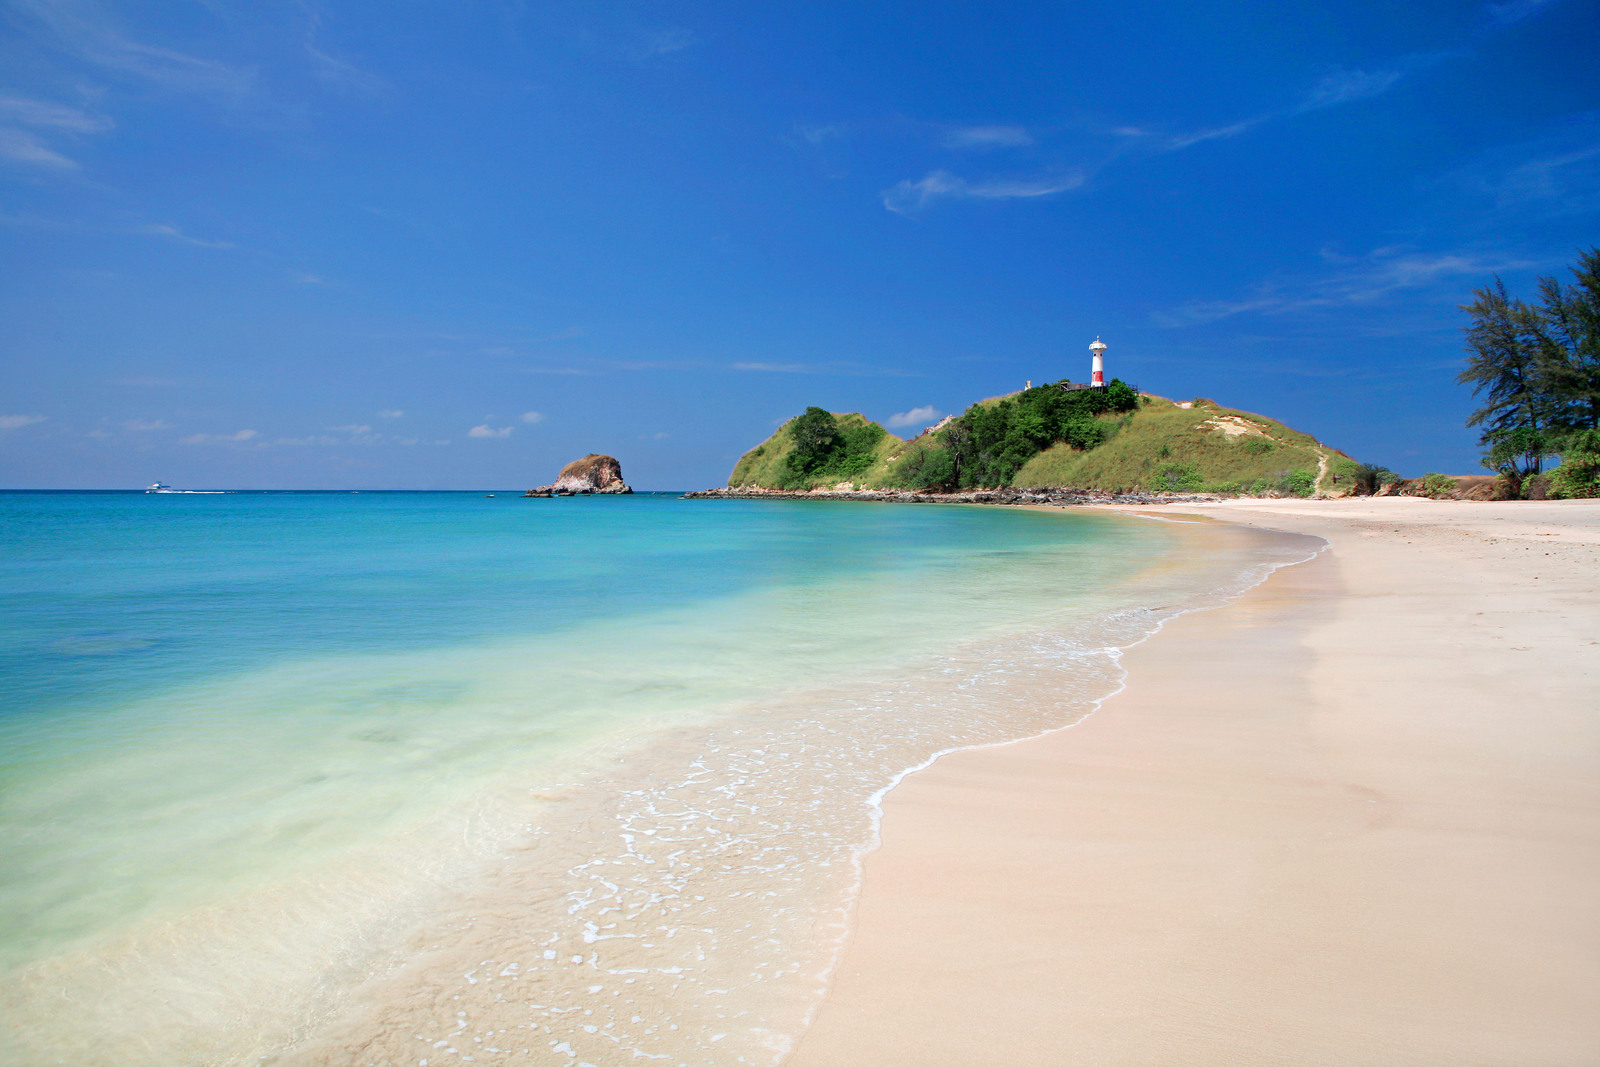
(1536, 367)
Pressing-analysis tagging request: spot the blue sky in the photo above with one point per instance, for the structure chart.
(454, 245)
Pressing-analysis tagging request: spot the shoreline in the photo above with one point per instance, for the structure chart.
(1298, 833)
(1049, 687)
(1007, 495)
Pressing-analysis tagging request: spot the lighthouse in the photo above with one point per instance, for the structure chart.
(1097, 379)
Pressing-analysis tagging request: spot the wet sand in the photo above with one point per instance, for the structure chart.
(1351, 818)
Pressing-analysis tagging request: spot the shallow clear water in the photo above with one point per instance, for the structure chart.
(267, 760)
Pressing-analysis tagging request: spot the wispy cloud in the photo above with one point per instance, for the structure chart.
(84, 29)
(775, 368)
(1513, 10)
(218, 438)
(842, 368)
(20, 146)
(531, 417)
(484, 430)
(172, 233)
(987, 137)
(1342, 86)
(146, 425)
(17, 422)
(908, 197)
(391, 413)
(1553, 173)
(1361, 280)
(44, 114)
(1333, 89)
(665, 42)
(921, 416)
(335, 71)
(819, 133)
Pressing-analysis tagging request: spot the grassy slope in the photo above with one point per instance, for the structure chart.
(763, 464)
(1132, 459)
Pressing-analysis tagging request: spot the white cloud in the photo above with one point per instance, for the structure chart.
(1339, 87)
(1217, 134)
(44, 114)
(987, 137)
(818, 133)
(531, 417)
(336, 71)
(1514, 10)
(20, 146)
(217, 438)
(87, 32)
(667, 41)
(907, 197)
(922, 416)
(1364, 280)
(774, 368)
(172, 233)
(17, 422)
(351, 429)
(484, 431)
(146, 424)
(1345, 85)
(390, 413)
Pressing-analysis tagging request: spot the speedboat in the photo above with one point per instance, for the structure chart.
(159, 488)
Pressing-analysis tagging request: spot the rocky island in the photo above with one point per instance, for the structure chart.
(591, 475)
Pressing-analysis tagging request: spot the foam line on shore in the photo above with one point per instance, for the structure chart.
(1259, 574)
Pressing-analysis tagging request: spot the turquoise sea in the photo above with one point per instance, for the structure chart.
(424, 777)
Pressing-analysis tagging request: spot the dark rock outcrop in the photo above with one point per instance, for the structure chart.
(591, 475)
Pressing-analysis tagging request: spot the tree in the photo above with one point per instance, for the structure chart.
(1509, 365)
(1517, 453)
(1579, 473)
(1570, 338)
(1536, 367)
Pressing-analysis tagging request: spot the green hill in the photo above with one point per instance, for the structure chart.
(1045, 437)
(808, 453)
(1200, 447)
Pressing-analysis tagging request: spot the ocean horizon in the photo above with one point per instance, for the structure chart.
(339, 776)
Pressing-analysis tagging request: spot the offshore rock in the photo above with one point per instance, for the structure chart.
(591, 475)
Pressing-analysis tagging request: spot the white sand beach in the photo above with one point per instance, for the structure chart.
(1351, 818)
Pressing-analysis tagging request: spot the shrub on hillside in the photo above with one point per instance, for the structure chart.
(989, 443)
(1364, 479)
(1579, 473)
(1287, 483)
(1437, 484)
(1179, 478)
(823, 451)
(1256, 446)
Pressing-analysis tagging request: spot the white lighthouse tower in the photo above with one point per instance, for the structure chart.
(1097, 379)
